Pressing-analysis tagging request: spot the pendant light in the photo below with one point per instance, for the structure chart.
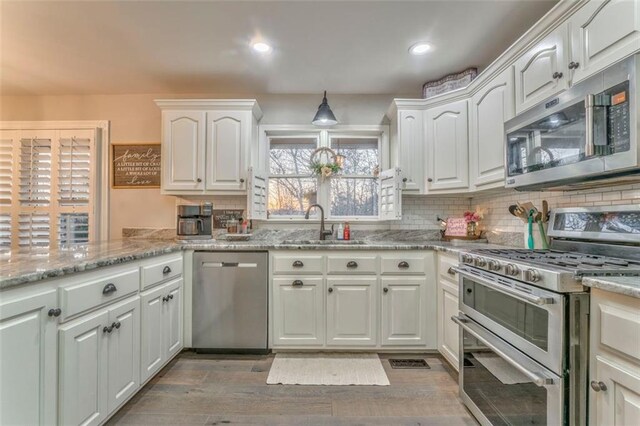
(324, 116)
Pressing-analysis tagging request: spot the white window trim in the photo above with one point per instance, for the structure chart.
(323, 134)
(102, 161)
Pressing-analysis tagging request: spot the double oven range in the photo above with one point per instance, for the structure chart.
(524, 317)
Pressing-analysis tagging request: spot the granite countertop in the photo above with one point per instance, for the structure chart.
(28, 266)
(629, 286)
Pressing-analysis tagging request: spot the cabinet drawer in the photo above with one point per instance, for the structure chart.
(89, 294)
(445, 263)
(298, 264)
(347, 264)
(403, 264)
(620, 328)
(163, 268)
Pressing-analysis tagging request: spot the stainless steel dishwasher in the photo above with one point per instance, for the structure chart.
(230, 302)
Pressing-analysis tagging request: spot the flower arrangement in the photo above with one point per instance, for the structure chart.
(324, 170)
(474, 217)
(324, 163)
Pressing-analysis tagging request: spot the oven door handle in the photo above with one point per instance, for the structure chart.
(536, 378)
(520, 295)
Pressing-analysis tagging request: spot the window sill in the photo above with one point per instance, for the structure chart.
(326, 221)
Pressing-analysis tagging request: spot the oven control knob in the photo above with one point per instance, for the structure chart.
(494, 265)
(480, 262)
(467, 258)
(511, 269)
(531, 275)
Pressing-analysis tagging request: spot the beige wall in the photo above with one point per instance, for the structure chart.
(135, 118)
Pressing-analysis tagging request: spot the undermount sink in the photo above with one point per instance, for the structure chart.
(322, 242)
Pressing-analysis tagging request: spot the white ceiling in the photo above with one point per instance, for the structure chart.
(356, 47)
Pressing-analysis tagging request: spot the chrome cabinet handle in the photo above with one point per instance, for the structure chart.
(109, 288)
(574, 65)
(403, 265)
(536, 378)
(589, 147)
(166, 270)
(54, 312)
(520, 295)
(297, 283)
(330, 289)
(451, 271)
(298, 264)
(352, 264)
(598, 386)
(557, 74)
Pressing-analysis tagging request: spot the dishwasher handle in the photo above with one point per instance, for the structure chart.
(229, 265)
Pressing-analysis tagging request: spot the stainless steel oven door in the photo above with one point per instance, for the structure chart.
(528, 317)
(502, 386)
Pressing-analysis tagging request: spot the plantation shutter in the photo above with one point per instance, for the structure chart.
(74, 170)
(390, 197)
(7, 139)
(257, 186)
(34, 230)
(5, 232)
(35, 169)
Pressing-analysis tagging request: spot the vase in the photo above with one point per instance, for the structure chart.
(471, 229)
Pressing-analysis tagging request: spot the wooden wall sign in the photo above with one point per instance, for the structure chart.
(456, 227)
(136, 166)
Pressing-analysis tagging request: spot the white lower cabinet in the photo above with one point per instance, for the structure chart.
(83, 372)
(448, 331)
(404, 311)
(298, 311)
(161, 326)
(351, 311)
(614, 366)
(28, 353)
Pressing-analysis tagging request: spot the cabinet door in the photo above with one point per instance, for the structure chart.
(540, 72)
(603, 32)
(298, 311)
(448, 336)
(410, 149)
(490, 108)
(124, 352)
(447, 142)
(404, 311)
(152, 346)
(619, 403)
(172, 319)
(83, 371)
(28, 353)
(228, 135)
(183, 147)
(351, 311)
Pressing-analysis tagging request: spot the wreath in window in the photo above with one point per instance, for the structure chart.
(325, 162)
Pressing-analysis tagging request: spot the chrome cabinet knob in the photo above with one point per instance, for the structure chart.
(330, 289)
(429, 180)
(404, 179)
(106, 329)
(511, 269)
(386, 290)
(574, 65)
(54, 312)
(598, 386)
(199, 180)
(241, 180)
(557, 74)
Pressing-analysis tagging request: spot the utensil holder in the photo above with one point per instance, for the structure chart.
(537, 239)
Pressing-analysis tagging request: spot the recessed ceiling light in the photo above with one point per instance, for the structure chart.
(420, 48)
(261, 47)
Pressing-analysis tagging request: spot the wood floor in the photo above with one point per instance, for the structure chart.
(220, 390)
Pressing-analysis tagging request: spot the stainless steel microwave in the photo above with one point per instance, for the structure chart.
(583, 135)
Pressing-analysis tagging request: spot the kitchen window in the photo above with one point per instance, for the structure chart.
(48, 188)
(353, 194)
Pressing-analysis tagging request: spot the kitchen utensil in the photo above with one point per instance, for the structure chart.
(518, 212)
(545, 211)
(530, 242)
(543, 235)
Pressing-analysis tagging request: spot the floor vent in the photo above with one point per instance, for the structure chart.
(408, 363)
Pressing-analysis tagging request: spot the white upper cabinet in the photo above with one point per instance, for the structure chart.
(491, 106)
(183, 147)
(227, 132)
(541, 71)
(207, 145)
(603, 32)
(407, 146)
(447, 143)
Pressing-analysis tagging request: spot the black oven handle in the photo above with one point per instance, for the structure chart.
(536, 378)
(520, 295)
